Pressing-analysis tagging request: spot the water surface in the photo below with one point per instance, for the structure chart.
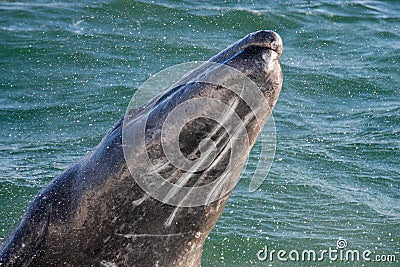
(69, 69)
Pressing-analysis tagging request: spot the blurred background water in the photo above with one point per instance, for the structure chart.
(69, 69)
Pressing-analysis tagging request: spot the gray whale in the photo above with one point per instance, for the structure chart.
(100, 211)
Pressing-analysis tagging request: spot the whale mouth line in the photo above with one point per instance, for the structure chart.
(274, 45)
(271, 46)
(267, 39)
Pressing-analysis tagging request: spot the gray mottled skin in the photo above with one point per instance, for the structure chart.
(94, 213)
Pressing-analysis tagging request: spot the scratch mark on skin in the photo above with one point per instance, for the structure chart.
(107, 264)
(183, 180)
(168, 222)
(149, 235)
(140, 200)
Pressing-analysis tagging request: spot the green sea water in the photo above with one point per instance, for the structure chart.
(69, 69)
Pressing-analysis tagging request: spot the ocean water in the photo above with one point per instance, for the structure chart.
(69, 69)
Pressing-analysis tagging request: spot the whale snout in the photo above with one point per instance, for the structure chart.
(268, 39)
(261, 39)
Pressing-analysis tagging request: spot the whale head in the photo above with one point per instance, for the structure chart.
(187, 147)
(152, 190)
